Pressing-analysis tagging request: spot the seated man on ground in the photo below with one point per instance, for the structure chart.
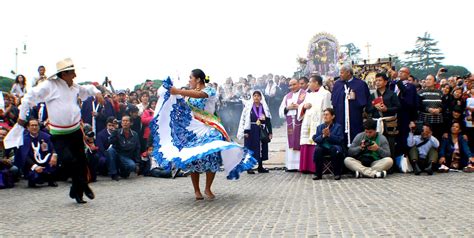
(38, 153)
(102, 141)
(423, 149)
(329, 138)
(124, 150)
(369, 153)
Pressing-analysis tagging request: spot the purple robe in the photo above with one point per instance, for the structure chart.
(356, 107)
(294, 130)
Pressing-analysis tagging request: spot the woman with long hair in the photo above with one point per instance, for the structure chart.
(188, 134)
(19, 87)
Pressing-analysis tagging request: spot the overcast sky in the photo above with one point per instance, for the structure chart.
(130, 41)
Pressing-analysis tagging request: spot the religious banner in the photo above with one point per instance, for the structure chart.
(323, 55)
(367, 71)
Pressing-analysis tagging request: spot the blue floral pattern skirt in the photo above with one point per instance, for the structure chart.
(210, 163)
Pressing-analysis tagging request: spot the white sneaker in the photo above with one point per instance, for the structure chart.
(357, 174)
(443, 169)
(381, 174)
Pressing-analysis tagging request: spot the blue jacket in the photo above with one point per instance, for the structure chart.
(447, 149)
(102, 141)
(336, 136)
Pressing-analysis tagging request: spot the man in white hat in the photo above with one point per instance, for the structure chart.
(60, 94)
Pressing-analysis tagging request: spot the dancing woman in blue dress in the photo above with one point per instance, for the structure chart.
(188, 134)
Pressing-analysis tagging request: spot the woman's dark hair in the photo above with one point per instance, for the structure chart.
(456, 122)
(151, 102)
(18, 81)
(144, 93)
(257, 92)
(330, 110)
(450, 87)
(199, 74)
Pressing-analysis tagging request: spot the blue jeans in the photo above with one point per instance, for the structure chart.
(117, 162)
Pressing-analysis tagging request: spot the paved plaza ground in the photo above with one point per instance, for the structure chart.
(275, 204)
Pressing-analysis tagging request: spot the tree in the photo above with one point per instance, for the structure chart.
(453, 70)
(351, 52)
(156, 84)
(6, 84)
(425, 55)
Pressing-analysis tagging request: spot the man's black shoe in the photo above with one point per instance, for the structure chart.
(429, 169)
(250, 171)
(80, 200)
(115, 177)
(32, 185)
(52, 184)
(89, 193)
(416, 168)
(263, 170)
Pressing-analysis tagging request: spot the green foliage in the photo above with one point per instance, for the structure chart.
(352, 52)
(6, 84)
(425, 55)
(156, 84)
(453, 70)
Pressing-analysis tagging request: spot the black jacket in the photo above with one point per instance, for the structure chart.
(129, 147)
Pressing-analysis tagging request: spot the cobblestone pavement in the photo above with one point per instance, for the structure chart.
(274, 204)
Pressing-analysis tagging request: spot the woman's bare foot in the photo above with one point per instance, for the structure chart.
(209, 194)
(198, 195)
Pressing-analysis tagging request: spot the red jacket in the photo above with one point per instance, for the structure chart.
(147, 117)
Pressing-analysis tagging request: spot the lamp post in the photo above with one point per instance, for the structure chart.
(16, 56)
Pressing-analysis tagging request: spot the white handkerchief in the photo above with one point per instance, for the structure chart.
(14, 138)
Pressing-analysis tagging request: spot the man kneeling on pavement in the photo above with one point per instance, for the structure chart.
(423, 149)
(124, 150)
(369, 153)
(37, 156)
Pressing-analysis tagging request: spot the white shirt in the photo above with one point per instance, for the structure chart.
(17, 90)
(61, 100)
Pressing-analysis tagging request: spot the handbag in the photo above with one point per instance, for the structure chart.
(264, 134)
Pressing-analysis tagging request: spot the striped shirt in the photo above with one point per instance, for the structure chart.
(431, 98)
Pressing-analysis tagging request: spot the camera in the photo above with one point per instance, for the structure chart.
(418, 129)
(367, 143)
(90, 134)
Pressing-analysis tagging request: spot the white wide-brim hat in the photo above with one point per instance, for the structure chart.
(64, 65)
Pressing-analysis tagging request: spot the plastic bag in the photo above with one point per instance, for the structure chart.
(403, 164)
